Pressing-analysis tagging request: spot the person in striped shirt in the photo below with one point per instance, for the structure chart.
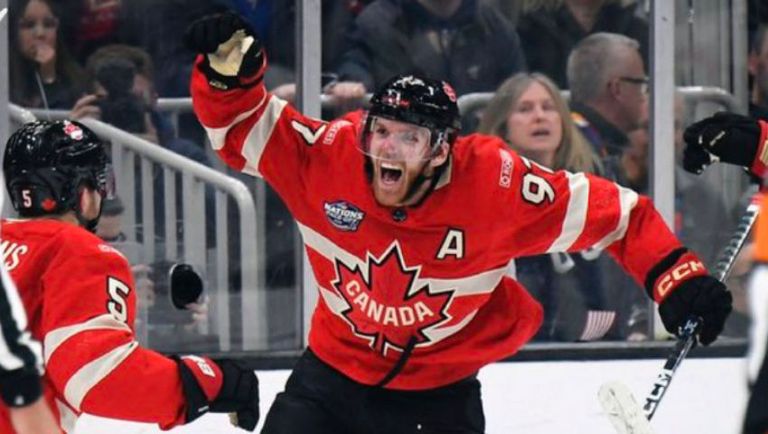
(21, 365)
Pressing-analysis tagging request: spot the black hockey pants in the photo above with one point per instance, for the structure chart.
(320, 400)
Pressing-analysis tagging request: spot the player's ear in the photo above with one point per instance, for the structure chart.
(441, 155)
(90, 202)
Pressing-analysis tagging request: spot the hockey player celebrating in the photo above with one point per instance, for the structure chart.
(743, 141)
(409, 230)
(79, 296)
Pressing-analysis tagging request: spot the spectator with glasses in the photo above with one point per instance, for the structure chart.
(609, 89)
(42, 72)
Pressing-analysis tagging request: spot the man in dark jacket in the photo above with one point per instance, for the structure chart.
(549, 34)
(468, 44)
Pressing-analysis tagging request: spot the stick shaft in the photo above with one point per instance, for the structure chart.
(687, 338)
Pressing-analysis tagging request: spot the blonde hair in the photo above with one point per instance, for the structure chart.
(573, 153)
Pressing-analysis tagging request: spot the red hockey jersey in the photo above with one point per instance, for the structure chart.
(432, 274)
(79, 297)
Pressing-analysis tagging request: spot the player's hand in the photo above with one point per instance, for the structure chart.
(683, 288)
(726, 137)
(221, 386)
(234, 56)
(702, 296)
(86, 107)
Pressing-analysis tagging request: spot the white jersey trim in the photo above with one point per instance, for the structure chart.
(480, 283)
(92, 373)
(218, 136)
(575, 213)
(258, 136)
(67, 417)
(55, 338)
(627, 202)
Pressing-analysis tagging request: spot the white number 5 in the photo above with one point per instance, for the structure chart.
(118, 292)
(536, 189)
(26, 198)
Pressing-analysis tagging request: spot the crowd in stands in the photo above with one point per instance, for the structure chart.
(113, 59)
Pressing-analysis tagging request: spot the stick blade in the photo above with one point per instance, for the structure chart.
(622, 409)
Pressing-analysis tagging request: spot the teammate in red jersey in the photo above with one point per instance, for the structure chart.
(78, 294)
(409, 230)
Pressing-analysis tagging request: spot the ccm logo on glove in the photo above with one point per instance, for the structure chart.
(687, 266)
(201, 363)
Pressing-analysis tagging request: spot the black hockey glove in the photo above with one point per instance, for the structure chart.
(729, 138)
(221, 386)
(234, 56)
(683, 288)
(703, 296)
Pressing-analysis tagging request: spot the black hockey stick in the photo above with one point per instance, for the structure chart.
(616, 398)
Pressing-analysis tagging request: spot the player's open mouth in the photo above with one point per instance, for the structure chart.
(540, 132)
(390, 174)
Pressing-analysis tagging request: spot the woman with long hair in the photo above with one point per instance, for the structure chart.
(42, 73)
(529, 113)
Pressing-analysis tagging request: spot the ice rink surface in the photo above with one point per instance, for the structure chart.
(707, 396)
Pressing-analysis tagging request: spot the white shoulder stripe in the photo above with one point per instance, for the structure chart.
(92, 373)
(480, 283)
(627, 202)
(575, 213)
(55, 338)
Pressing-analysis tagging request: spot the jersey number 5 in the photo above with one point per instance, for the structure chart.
(117, 304)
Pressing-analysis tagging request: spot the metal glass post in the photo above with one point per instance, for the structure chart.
(4, 116)
(662, 115)
(309, 63)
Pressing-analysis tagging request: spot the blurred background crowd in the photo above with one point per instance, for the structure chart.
(562, 82)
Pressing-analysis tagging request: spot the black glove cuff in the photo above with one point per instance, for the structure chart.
(197, 402)
(20, 387)
(661, 267)
(250, 74)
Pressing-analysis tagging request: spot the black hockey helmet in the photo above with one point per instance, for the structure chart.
(47, 162)
(420, 101)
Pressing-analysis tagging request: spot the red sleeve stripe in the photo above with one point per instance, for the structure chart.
(55, 338)
(575, 213)
(90, 375)
(627, 202)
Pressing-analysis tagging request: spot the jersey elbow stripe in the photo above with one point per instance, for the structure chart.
(90, 375)
(575, 213)
(218, 136)
(256, 140)
(55, 338)
(259, 135)
(627, 202)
